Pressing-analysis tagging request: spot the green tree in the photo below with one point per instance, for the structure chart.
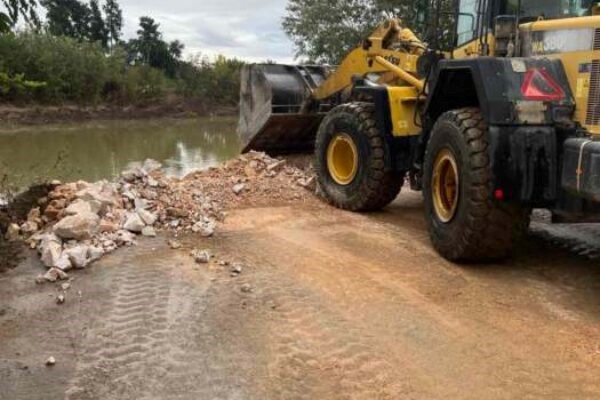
(15, 9)
(326, 30)
(150, 49)
(114, 21)
(68, 18)
(97, 27)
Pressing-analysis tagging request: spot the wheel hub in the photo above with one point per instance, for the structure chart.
(342, 159)
(445, 186)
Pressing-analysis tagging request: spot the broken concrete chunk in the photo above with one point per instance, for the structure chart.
(125, 238)
(148, 231)
(107, 227)
(237, 268)
(148, 217)
(29, 227)
(207, 227)
(174, 244)
(95, 253)
(103, 194)
(79, 227)
(238, 189)
(13, 232)
(78, 256)
(50, 252)
(34, 215)
(55, 274)
(82, 206)
(140, 204)
(133, 223)
(201, 256)
(276, 166)
(64, 263)
(151, 165)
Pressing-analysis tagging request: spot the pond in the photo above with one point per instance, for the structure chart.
(101, 150)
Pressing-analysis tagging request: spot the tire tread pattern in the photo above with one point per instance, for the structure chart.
(381, 186)
(491, 227)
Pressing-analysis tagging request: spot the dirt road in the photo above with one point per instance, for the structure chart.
(329, 305)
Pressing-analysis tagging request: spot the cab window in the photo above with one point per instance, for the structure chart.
(467, 21)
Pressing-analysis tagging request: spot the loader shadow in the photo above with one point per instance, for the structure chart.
(568, 255)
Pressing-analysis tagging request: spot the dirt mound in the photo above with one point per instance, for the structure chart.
(75, 224)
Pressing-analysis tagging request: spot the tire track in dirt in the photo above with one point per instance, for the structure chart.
(342, 298)
(315, 351)
(117, 358)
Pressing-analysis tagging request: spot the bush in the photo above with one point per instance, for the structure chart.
(41, 68)
(219, 81)
(71, 70)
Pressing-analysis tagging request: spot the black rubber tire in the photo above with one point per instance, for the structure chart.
(374, 187)
(482, 229)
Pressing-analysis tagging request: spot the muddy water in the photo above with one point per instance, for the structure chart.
(100, 150)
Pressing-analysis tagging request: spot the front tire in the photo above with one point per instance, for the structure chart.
(350, 160)
(465, 223)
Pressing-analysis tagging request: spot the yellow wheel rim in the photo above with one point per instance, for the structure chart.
(342, 159)
(445, 186)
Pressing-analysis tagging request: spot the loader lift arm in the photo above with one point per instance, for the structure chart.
(282, 106)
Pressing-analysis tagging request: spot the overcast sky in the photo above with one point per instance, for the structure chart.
(247, 29)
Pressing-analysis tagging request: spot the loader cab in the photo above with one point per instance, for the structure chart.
(479, 23)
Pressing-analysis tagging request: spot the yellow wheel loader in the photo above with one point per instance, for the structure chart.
(504, 120)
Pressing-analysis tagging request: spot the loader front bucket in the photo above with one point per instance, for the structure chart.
(273, 116)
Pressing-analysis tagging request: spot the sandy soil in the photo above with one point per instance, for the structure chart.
(335, 306)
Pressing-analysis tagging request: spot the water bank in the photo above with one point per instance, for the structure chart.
(40, 114)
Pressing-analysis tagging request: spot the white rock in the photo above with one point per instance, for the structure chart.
(140, 204)
(78, 256)
(206, 227)
(29, 227)
(152, 182)
(83, 206)
(104, 194)
(238, 189)
(95, 253)
(55, 274)
(151, 165)
(79, 227)
(64, 263)
(147, 217)
(51, 251)
(50, 361)
(46, 238)
(125, 238)
(148, 231)
(60, 299)
(201, 256)
(34, 215)
(133, 223)
(13, 232)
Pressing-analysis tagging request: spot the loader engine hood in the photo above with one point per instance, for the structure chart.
(576, 43)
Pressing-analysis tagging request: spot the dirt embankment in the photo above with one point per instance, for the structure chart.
(173, 108)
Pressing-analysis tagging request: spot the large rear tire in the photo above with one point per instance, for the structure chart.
(465, 222)
(350, 160)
